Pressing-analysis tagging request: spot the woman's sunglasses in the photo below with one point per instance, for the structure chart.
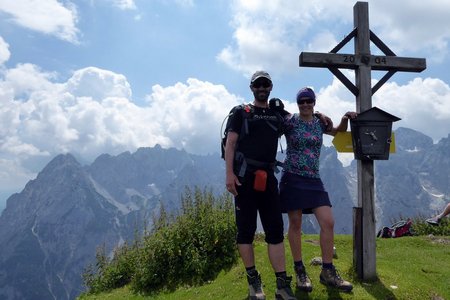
(307, 101)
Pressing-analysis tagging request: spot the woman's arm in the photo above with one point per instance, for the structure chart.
(343, 125)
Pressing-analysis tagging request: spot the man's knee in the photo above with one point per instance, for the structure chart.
(245, 237)
(274, 237)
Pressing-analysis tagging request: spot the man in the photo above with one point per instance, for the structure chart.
(250, 157)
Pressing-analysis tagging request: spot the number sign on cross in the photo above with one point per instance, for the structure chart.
(334, 61)
(363, 63)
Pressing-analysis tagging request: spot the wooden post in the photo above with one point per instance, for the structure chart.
(364, 255)
(357, 240)
(365, 167)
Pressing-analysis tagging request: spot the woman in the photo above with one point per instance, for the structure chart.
(302, 190)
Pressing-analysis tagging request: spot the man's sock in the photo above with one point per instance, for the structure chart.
(327, 265)
(299, 264)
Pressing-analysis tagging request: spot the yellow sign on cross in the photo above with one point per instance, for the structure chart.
(342, 141)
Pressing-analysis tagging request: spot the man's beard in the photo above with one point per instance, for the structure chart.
(261, 96)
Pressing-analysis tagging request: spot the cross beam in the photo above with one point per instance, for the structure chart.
(353, 61)
(335, 61)
(363, 62)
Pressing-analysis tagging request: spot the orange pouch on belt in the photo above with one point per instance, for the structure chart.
(260, 181)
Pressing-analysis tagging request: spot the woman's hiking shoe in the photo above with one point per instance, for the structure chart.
(255, 291)
(284, 291)
(303, 281)
(331, 278)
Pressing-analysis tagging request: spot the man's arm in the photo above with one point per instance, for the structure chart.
(231, 179)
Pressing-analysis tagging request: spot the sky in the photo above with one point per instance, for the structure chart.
(106, 76)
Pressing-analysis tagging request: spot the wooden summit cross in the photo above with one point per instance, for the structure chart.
(364, 256)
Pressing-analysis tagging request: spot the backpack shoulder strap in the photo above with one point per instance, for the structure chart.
(247, 111)
(280, 123)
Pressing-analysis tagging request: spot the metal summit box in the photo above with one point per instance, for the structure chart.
(371, 134)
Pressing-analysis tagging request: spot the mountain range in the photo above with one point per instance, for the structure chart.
(50, 231)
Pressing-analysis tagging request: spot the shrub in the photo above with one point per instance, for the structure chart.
(110, 274)
(189, 248)
(421, 227)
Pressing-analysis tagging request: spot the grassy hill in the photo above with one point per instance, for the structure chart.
(408, 268)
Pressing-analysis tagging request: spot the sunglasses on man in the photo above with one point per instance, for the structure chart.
(262, 83)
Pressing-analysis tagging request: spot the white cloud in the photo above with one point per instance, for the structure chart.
(190, 114)
(258, 38)
(13, 175)
(27, 78)
(93, 113)
(422, 104)
(411, 26)
(46, 16)
(271, 35)
(98, 84)
(4, 51)
(322, 42)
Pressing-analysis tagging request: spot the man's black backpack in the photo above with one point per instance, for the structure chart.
(247, 111)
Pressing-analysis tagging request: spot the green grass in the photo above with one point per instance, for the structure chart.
(408, 268)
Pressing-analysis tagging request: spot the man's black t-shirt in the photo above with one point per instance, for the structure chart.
(261, 142)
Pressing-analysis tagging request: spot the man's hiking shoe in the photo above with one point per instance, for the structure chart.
(331, 278)
(433, 221)
(303, 281)
(255, 291)
(284, 291)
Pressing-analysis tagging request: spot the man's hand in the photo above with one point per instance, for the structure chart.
(325, 120)
(276, 104)
(231, 182)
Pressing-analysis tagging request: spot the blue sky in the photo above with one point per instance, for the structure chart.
(107, 76)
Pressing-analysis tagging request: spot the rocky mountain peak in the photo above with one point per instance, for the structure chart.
(50, 231)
